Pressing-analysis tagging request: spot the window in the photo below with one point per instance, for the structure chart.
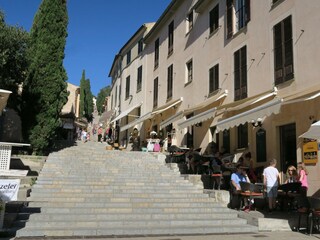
(214, 78)
(116, 96)
(238, 15)
(139, 79)
(140, 46)
(127, 87)
(155, 92)
(243, 135)
(283, 51)
(226, 141)
(156, 53)
(170, 82)
(190, 131)
(214, 19)
(112, 106)
(261, 145)
(189, 71)
(240, 74)
(128, 57)
(170, 38)
(190, 21)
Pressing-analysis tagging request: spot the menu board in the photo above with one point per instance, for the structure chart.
(310, 152)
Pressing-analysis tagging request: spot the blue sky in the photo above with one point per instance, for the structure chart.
(96, 32)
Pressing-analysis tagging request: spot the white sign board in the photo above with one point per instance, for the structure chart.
(9, 189)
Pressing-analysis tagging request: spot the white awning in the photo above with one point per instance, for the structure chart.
(135, 122)
(253, 101)
(206, 103)
(126, 112)
(167, 106)
(272, 107)
(201, 117)
(296, 100)
(171, 119)
(313, 132)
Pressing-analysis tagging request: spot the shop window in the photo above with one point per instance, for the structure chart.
(243, 135)
(261, 145)
(226, 140)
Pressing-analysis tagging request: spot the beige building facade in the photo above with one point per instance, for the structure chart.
(236, 74)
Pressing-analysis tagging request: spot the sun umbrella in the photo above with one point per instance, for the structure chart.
(153, 133)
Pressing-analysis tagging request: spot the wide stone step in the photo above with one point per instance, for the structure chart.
(125, 217)
(117, 190)
(133, 231)
(147, 202)
(131, 208)
(120, 182)
(111, 195)
(87, 191)
(76, 223)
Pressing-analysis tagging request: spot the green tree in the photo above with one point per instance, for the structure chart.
(104, 92)
(82, 94)
(45, 89)
(86, 98)
(13, 60)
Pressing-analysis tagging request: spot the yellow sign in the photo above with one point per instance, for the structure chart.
(310, 152)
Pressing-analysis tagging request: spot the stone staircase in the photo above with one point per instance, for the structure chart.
(88, 191)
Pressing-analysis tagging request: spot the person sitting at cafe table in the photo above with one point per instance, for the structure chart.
(303, 178)
(240, 176)
(291, 174)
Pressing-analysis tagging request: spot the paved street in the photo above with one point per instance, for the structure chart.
(263, 235)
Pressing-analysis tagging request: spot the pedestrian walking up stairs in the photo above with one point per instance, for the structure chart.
(88, 191)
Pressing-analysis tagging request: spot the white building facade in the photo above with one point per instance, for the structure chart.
(234, 73)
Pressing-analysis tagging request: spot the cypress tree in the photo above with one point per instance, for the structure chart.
(101, 98)
(86, 97)
(45, 89)
(82, 94)
(89, 100)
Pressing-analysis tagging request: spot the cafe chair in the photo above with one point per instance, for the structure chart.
(287, 195)
(235, 197)
(250, 191)
(217, 176)
(314, 214)
(303, 211)
(177, 155)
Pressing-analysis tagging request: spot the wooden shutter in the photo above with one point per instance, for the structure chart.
(288, 49)
(248, 12)
(229, 18)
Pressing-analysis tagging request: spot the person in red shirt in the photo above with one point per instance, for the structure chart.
(100, 134)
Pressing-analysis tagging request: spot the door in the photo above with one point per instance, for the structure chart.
(288, 146)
